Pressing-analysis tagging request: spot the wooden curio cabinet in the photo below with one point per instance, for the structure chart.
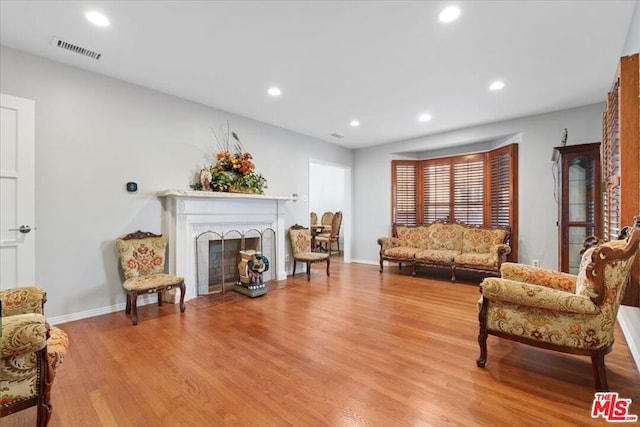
(579, 201)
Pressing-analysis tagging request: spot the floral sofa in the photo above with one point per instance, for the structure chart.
(448, 244)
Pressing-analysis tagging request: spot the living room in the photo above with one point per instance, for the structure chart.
(94, 133)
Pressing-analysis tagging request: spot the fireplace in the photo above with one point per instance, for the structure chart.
(194, 221)
(218, 256)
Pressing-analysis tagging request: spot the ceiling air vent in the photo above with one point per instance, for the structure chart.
(337, 135)
(76, 49)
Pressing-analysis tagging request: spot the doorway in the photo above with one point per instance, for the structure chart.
(330, 190)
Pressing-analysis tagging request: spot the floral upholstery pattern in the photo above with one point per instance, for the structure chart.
(402, 252)
(300, 239)
(486, 260)
(447, 244)
(480, 240)
(414, 237)
(27, 299)
(442, 256)
(24, 334)
(548, 306)
(445, 236)
(141, 257)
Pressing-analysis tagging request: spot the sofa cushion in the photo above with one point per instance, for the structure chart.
(414, 237)
(445, 236)
(436, 256)
(403, 252)
(473, 259)
(480, 240)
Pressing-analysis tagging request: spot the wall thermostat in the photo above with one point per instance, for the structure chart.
(132, 186)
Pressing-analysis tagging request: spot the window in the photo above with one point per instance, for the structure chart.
(477, 189)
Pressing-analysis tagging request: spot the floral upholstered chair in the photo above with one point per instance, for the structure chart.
(31, 352)
(300, 238)
(142, 257)
(560, 311)
(333, 236)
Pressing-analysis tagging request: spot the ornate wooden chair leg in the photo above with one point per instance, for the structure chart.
(127, 308)
(599, 372)
(183, 290)
(44, 400)
(293, 273)
(308, 271)
(453, 273)
(134, 308)
(328, 264)
(160, 298)
(482, 335)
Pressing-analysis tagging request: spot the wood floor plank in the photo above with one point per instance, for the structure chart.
(358, 348)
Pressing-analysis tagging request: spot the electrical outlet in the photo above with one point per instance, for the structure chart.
(535, 263)
(286, 258)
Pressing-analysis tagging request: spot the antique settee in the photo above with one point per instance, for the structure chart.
(448, 244)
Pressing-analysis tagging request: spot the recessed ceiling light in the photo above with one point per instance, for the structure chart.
(274, 91)
(354, 123)
(497, 85)
(424, 117)
(449, 14)
(97, 18)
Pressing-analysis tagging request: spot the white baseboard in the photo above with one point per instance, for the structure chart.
(629, 319)
(142, 300)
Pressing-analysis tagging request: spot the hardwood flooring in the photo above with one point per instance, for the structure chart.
(358, 348)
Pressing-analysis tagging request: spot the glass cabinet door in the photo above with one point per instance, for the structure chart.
(579, 213)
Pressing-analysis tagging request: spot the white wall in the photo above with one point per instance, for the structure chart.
(632, 44)
(537, 207)
(326, 188)
(93, 134)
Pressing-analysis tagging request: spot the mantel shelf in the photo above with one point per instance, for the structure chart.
(220, 195)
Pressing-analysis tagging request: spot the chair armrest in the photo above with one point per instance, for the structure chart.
(23, 333)
(501, 250)
(536, 296)
(388, 242)
(539, 276)
(27, 299)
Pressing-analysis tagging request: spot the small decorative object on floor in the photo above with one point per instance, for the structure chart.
(233, 170)
(252, 265)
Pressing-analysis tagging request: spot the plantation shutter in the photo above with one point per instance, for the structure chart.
(404, 189)
(468, 201)
(437, 191)
(500, 188)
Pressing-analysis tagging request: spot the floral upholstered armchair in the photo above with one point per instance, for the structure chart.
(31, 352)
(300, 238)
(560, 311)
(142, 257)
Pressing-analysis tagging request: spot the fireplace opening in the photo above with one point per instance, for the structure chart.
(218, 255)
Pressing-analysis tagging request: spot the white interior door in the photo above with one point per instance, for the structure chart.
(17, 192)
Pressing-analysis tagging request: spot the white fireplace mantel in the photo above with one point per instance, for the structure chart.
(187, 213)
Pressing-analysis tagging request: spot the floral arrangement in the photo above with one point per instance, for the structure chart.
(233, 170)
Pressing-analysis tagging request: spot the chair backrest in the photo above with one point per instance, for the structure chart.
(314, 218)
(336, 223)
(300, 238)
(327, 218)
(605, 269)
(141, 253)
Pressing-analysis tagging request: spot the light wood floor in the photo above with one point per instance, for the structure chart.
(359, 348)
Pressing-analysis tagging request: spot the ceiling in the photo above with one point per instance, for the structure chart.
(380, 62)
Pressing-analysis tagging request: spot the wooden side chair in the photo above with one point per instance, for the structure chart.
(142, 257)
(300, 238)
(31, 351)
(333, 236)
(558, 311)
